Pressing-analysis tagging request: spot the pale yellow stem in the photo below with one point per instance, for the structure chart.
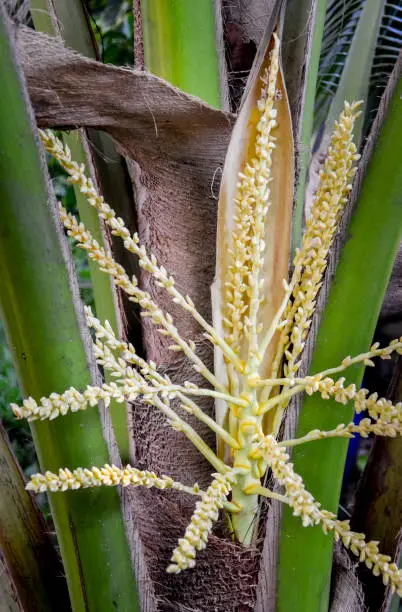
(192, 408)
(277, 318)
(260, 490)
(279, 399)
(180, 425)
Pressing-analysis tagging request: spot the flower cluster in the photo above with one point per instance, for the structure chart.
(310, 262)
(377, 408)
(243, 287)
(247, 395)
(304, 505)
(72, 400)
(108, 476)
(205, 514)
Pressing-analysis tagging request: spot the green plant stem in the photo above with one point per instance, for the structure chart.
(179, 45)
(41, 321)
(104, 296)
(347, 327)
(68, 19)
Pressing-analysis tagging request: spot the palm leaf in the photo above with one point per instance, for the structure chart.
(342, 19)
(340, 24)
(389, 44)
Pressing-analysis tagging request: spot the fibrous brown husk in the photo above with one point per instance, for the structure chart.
(346, 592)
(245, 24)
(223, 579)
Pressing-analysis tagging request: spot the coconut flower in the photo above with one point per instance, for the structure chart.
(243, 344)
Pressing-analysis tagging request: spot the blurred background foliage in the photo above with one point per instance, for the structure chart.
(112, 22)
(18, 431)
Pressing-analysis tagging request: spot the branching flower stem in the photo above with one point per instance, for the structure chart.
(279, 400)
(77, 176)
(310, 512)
(180, 425)
(107, 264)
(158, 384)
(260, 490)
(165, 386)
(364, 428)
(108, 475)
(192, 408)
(365, 358)
(150, 373)
(277, 322)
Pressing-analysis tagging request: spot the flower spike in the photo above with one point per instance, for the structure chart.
(310, 512)
(205, 515)
(108, 476)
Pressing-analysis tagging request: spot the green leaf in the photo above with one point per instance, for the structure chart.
(355, 79)
(341, 20)
(302, 40)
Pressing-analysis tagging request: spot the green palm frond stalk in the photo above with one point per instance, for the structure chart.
(306, 16)
(179, 45)
(9, 599)
(41, 316)
(69, 20)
